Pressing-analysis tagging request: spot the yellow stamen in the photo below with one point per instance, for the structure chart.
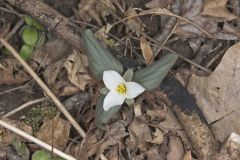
(121, 89)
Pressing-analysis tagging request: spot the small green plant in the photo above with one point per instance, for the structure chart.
(21, 149)
(38, 113)
(44, 155)
(120, 88)
(33, 36)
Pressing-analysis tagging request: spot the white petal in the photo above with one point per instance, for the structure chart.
(112, 79)
(133, 90)
(112, 99)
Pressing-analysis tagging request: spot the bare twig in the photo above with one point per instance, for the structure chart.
(13, 31)
(35, 140)
(47, 91)
(51, 19)
(45, 88)
(29, 103)
(12, 89)
(164, 12)
(180, 56)
(165, 41)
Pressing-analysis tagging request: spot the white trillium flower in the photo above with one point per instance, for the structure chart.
(119, 89)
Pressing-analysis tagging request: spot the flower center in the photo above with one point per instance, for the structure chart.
(121, 88)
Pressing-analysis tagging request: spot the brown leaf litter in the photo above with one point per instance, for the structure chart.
(91, 9)
(11, 72)
(55, 132)
(218, 95)
(8, 137)
(68, 76)
(217, 9)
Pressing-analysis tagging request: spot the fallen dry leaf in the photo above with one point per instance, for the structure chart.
(140, 134)
(231, 124)
(8, 136)
(116, 132)
(55, 132)
(77, 72)
(146, 51)
(10, 72)
(217, 9)
(51, 52)
(51, 73)
(191, 10)
(171, 122)
(218, 95)
(91, 9)
(176, 150)
(134, 24)
(57, 80)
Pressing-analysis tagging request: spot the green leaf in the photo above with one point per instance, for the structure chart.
(30, 36)
(28, 20)
(151, 76)
(26, 52)
(100, 59)
(102, 116)
(32, 22)
(21, 149)
(104, 91)
(44, 155)
(130, 102)
(128, 75)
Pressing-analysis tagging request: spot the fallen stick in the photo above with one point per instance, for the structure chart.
(14, 30)
(24, 106)
(47, 91)
(51, 19)
(44, 87)
(190, 116)
(35, 140)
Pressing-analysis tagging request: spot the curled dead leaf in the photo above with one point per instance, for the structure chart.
(77, 72)
(146, 51)
(57, 79)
